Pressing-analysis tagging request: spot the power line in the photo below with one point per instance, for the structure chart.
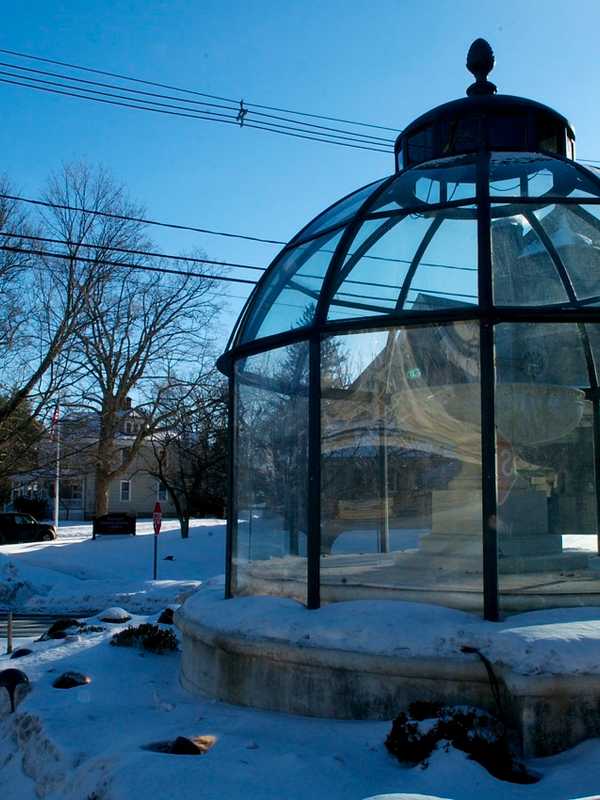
(234, 108)
(169, 110)
(150, 253)
(187, 274)
(194, 92)
(141, 220)
(125, 264)
(176, 226)
(202, 113)
(191, 259)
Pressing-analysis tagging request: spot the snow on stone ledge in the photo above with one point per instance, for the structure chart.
(555, 641)
(406, 797)
(432, 797)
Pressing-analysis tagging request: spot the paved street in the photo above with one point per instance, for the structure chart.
(26, 626)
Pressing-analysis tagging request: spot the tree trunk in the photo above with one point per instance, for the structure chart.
(105, 455)
(185, 527)
(102, 487)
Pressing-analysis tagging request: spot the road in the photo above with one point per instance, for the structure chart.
(28, 626)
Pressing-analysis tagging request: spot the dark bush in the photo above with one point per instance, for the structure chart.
(30, 505)
(208, 505)
(166, 617)
(148, 637)
(479, 734)
(424, 709)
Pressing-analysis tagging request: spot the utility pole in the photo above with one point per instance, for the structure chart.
(156, 519)
(56, 429)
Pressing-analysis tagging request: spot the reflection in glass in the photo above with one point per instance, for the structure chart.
(370, 280)
(574, 233)
(546, 486)
(401, 465)
(523, 273)
(436, 252)
(437, 182)
(289, 296)
(271, 473)
(533, 175)
(340, 212)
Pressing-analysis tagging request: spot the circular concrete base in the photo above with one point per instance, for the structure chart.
(231, 654)
(567, 580)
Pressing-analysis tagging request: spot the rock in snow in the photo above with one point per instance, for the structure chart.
(114, 614)
(69, 680)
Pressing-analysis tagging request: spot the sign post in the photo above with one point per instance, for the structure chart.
(156, 519)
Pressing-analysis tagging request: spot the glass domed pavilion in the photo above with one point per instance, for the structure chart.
(414, 382)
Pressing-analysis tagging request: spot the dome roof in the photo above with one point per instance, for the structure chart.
(409, 244)
(487, 208)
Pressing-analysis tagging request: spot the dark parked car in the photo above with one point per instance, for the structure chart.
(15, 527)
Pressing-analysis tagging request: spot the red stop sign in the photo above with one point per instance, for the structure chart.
(157, 518)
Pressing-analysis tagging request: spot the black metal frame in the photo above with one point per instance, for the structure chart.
(486, 313)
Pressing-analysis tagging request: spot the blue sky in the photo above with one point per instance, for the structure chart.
(384, 62)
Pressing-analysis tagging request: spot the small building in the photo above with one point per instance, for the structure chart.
(135, 490)
(415, 380)
(414, 390)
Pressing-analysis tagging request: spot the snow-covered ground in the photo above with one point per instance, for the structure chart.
(78, 574)
(87, 743)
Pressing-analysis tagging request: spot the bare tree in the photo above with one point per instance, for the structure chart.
(143, 334)
(41, 308)
(189, 457)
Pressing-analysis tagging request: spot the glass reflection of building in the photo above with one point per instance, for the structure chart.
(414, 381)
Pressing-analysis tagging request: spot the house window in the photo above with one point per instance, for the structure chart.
(125, 491)
(161, 491)
(128, 427)
(125, 451)
(70, 490)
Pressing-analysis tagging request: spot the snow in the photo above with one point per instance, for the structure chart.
(88, 742)
(77, 574)
(552, 641)
(73, 743)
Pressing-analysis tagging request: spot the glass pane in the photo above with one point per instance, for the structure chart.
(523, 274)
(419, 146)
(370, 280)
(447, 272)
(271, 473)
(339, 213)
(532, 175)
(547, 528)
(401, 465)
(289, 297)
(575, 234)
(437, 182)
(373, 274)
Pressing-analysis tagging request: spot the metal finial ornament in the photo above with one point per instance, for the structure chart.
(480, 62)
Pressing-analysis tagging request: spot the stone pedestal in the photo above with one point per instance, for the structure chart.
(525, 543)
